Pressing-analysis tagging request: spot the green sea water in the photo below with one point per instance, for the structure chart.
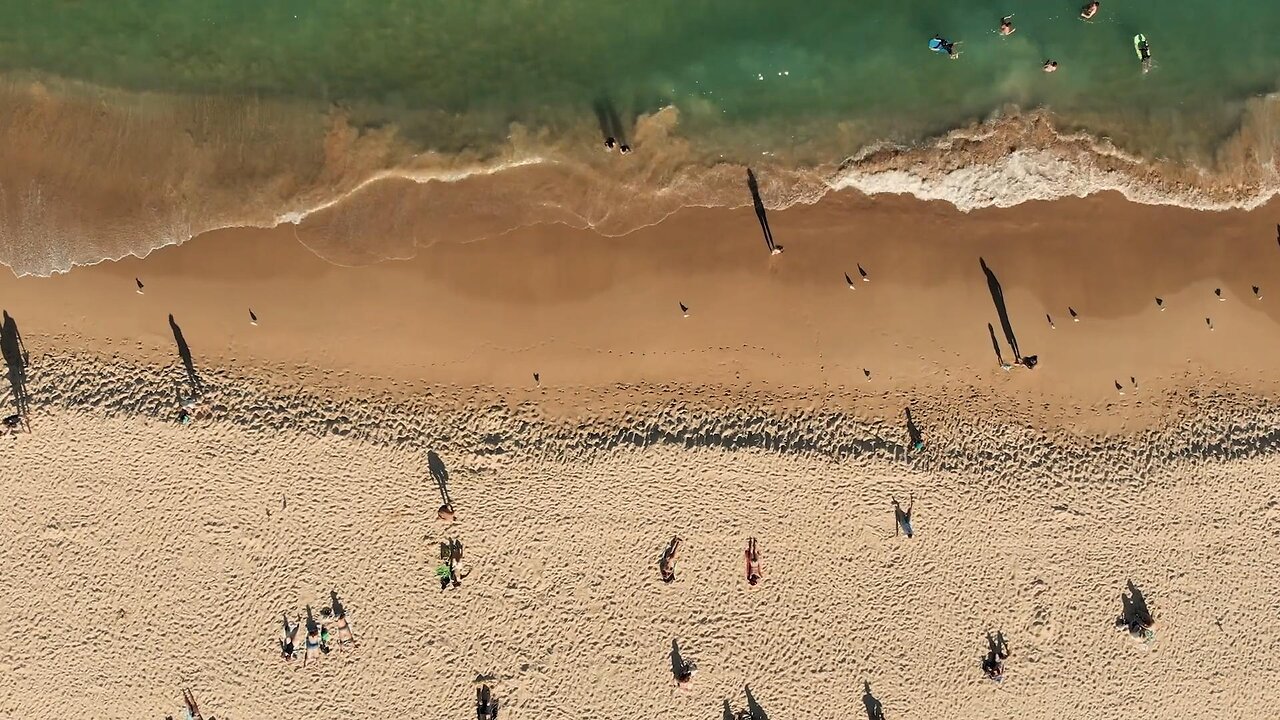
(768, 75)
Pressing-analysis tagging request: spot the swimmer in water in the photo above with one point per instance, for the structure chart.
(1144, 54)
(1051, 66)
(1088, 11)
(942, 45)
(1006, 25)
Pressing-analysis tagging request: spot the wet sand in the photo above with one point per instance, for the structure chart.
(155, 556)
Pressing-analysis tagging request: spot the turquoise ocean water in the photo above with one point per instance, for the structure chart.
(544, 62)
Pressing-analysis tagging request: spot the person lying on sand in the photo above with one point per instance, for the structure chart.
(312, 645)
(754, 575)
(340, 620)
(344, 631)
(667, 565)
(287, 650)
(1088, 11)
(902, 520)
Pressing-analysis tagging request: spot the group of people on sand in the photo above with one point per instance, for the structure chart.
(450, 571)
(751, 557)
(319, 640)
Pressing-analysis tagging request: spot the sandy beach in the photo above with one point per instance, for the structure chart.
(593, 396)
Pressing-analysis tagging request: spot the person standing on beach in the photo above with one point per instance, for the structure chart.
(902, 520)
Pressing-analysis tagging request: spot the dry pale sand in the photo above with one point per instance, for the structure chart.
(144, 556)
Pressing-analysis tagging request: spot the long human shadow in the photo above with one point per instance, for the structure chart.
(16, 360)
(875, 710)
(995, 344)
(997, 296)
(761, 215)
(608, 120)
(754, 711)
(441, 475)
(678, 664)
(184, 351)
(913, 431)
(1134, 607)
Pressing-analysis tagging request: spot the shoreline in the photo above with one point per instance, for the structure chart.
(175, 169)
(586, 311)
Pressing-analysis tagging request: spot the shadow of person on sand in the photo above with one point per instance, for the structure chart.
(997, 651)
(913, 432)
(16, 360)
(754, 711)
(995, 344)
(681, 668)
(875, 710)
(184, 351)
(441, 475)
(997, 297)
(1134, 611)
(761, 214)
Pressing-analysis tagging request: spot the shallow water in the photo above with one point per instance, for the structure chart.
(789, 72)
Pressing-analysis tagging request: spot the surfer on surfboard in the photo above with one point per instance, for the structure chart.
(1141, 47)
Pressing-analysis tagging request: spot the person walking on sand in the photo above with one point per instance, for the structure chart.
(754, 574)
(902, 520)
(667, 565)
